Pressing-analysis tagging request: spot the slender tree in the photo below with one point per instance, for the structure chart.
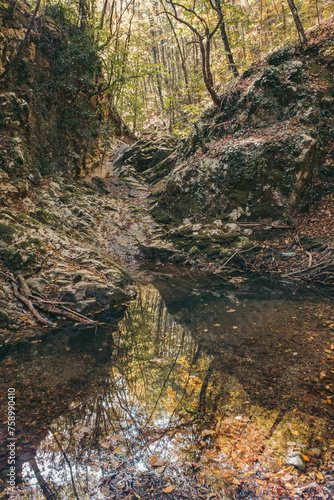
(203, 36)
(299, 26)
(226, 43)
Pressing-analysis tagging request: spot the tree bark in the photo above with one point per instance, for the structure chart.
(299, 26)
(226, 42)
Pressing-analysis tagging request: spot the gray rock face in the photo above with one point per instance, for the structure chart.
(296, 460)
(262, 147)
(37, 284)
(151, 159)
(249, 177)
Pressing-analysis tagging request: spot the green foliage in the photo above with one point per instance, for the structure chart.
(64, 77)
(149, 64)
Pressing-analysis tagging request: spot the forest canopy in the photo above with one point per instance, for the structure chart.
(164, 60)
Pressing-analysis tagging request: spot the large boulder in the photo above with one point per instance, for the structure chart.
(257, 155)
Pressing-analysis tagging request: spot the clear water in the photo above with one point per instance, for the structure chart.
(203, 386)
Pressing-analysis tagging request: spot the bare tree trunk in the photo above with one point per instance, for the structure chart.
(226, 43)
(317, 7)
(299, 26)
(284, 20)
(204, 46)
(155, 53)
(207, 76)
(183, 59)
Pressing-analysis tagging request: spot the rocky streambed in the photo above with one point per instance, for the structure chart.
(71, 248)
(228, 198)
(64, 245)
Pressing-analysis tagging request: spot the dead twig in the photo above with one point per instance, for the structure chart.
(29, 304)
(310, 259)
(79, 315)
(67, 313)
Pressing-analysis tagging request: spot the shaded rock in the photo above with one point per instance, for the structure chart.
(85, 305)
(67, 294)
(37, 284)
(3, 319)
(84, 290)
(152, 159)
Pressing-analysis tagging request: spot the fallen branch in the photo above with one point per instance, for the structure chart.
(80, 315)
(274, 226)
(8, 277)
(24, 286)
(29, 305)
(312, 270)
(67, 313)
(52, 302)
(228, 260)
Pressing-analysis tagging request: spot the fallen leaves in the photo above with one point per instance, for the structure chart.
(156, 462)
(169, 489)
(120, 450)
(207, 432)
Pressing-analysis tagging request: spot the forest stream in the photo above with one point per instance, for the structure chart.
(205, 388)
(166, 250)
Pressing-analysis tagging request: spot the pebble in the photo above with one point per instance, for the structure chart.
(316, 451)
(296, 460)
(105, 491)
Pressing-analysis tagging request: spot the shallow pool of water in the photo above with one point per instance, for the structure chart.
(201, 390)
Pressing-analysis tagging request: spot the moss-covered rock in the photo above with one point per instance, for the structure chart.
(8, 232)
(263, 146)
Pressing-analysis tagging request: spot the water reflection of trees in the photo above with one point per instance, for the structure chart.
(158, 386)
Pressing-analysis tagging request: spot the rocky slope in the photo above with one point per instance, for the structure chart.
(67, 242)
(225, 196)
(256, 156)
(53, 116)
(232, 193)
(236, 185)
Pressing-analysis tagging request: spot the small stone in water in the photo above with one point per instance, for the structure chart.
(105, 491)
(316, 451)
(296, 460)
